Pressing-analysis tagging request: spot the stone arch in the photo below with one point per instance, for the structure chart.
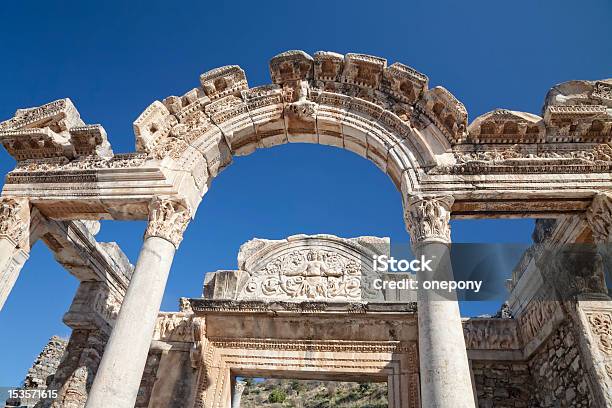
(355, 102)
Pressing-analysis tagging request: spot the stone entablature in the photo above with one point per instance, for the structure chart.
(203, 350)
(420, 137)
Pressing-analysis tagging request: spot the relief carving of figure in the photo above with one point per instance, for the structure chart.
(306, 274)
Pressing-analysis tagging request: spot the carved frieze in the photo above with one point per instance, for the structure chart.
(428, 219)
(36, 144)
(353, 101)
(152, 125)
(524, 159)
(603, 91)
(174, 327)
(168, 219)
(573, 270)
(15, 221)
(599, 216)
(107, 305)
(90, 140)
(491, 334)
(126, 160)
(536, 315)
(579, 111)
(601, 328)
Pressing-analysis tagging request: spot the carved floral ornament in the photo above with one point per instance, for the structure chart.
(601, 329)
(14, 221)
(168, 219)
(428, 219)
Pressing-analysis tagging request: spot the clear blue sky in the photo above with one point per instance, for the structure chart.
(113, 58)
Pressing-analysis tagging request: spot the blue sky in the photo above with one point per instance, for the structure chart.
(114, 58)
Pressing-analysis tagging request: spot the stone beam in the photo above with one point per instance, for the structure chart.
(72, 243)
(75, 247)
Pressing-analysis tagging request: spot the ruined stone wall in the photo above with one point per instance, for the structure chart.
(77, 370)
(558, 372)
(148, 379)
(40, 375)
(502, 384)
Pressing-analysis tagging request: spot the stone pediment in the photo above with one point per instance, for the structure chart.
(302, 268)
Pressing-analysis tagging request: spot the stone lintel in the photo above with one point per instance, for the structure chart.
(202, 307)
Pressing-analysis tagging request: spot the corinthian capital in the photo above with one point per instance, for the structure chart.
(599, 217)
(168, 219)
(15, 220)
(428, 219)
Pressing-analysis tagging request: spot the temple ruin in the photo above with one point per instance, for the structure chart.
(299, 308)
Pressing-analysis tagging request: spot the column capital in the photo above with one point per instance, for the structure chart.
(168, 219)
(15, 221)
(428, 218)
(599, 217)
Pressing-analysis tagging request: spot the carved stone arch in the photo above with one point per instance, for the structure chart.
(354, 102)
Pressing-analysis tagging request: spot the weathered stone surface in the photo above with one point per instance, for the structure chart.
(305, 268)
(419, 136)
(504, 164)
(559, 374)
(503, 384)
(40, 376)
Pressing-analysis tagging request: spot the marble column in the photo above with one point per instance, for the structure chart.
(14, 242)
(444, 367)
(237, 393)
(120, 371)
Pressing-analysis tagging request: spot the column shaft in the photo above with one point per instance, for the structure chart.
(120, 371)
(444, 368)
(118, 378)
(11, 261)
(445, 371)
(14, 242)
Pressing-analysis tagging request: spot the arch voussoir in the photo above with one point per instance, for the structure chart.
(385, 113)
